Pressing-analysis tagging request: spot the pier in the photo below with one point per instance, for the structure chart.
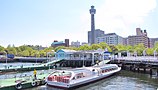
(24, 81)
(49, 65)
(143, 64)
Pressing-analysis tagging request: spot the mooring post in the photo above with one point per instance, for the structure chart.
(150, 71)
(157, 71)
(144, 70)
(130, 68)
(138, 69)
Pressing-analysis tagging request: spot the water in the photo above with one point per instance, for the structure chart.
(125, 80)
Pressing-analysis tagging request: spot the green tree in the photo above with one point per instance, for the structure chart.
(95, 46)
(104, 45)
(139, 49)
(113, 48)
(59, 47)
(149, 51)
(11, 50)
(129, 48)
(120, 47)
(1, 49)
(85, 47)
(42, 53)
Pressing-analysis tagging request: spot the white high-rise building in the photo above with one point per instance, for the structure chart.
(110, 39)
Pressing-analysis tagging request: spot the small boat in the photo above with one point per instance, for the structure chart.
(76, 77)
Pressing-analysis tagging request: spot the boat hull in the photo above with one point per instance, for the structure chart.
(78, 84)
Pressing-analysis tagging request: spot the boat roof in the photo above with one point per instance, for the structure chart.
(79, 70)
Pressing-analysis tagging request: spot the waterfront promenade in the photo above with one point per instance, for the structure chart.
(139, 59)
(145, 64)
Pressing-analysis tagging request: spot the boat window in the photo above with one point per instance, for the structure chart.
(73, 78)
(93, 70)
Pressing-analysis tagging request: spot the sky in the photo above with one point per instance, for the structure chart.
(40, 22)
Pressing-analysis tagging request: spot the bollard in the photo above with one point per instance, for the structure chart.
(144, 70)
(138, 69)
(151, 71)
(130, 68)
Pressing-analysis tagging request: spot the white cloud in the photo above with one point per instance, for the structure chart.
(120, 15)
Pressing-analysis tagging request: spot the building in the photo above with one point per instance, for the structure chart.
(84, 43)
(125, 41)
(36, 47)
(140, 37)
(81, 55)
(110, 39)
(75, 44)
(98, 33)
(60, 43)
(152, 42)
(92, 12)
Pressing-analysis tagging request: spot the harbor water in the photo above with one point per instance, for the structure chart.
(124, 80)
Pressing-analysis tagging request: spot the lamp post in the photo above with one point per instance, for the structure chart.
(83, 57)
(36, 56)
(48, 60)
(6, 56)
(144, 51)
(155, 52)
(135, 53)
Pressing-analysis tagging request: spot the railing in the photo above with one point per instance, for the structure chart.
(139, 59)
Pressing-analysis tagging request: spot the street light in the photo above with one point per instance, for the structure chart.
(155, 52)
(6, 56)
(36, 56)
(144, 51)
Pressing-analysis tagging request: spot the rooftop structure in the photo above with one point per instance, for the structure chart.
(60, 43)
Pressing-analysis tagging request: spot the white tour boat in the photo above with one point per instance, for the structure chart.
(79, 76)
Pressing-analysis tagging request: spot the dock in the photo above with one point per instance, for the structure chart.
(144, 64)
(23, 82)
(49, 65)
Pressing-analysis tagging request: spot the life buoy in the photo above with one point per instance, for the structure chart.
(33, 83)
(18, 86)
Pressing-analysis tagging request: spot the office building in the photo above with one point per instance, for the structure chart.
(110, 39)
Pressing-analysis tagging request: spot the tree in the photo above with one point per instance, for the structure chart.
(129, 48)
(85, 47)
(42, 53)
(95, 46)
(1, 49)
(104, 45)
(120, 47)
(59, 47)
(139, 49)
(113, 48)
(149, 51)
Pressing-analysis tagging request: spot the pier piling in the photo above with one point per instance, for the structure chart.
(144, 70)
(150, 71)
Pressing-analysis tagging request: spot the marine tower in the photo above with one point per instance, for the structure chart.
(92, 12)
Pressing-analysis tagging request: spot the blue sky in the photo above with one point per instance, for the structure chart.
(40, 22)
